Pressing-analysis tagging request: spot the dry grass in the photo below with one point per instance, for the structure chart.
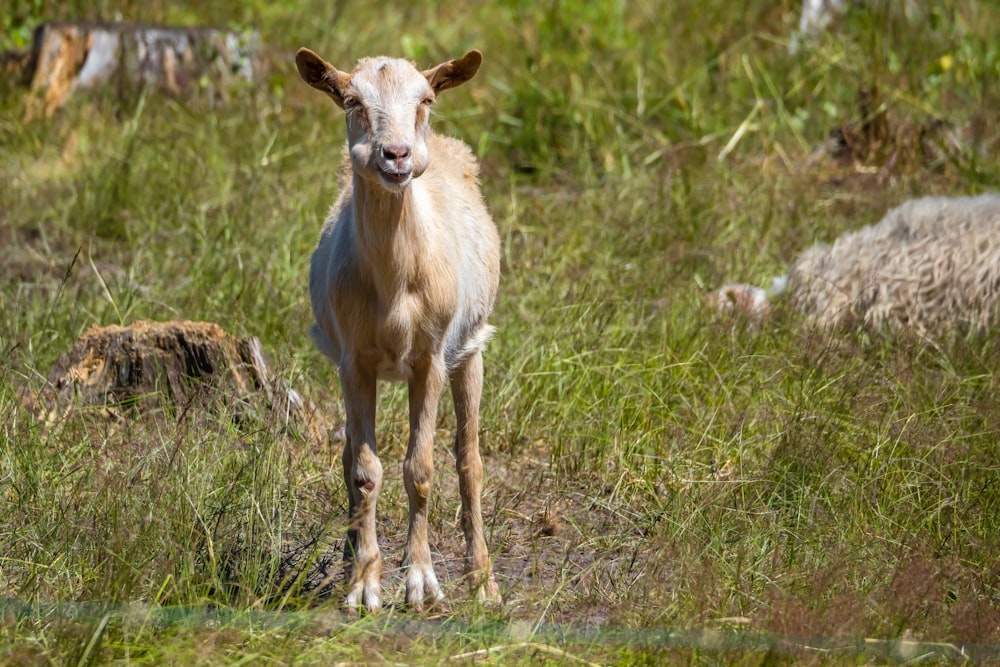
(663, 486)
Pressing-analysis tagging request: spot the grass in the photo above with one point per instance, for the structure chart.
(663, 486)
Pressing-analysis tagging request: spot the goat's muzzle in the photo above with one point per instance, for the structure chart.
(396, 165)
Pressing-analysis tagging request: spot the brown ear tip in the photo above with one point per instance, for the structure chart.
(474, 54)
(309, 64)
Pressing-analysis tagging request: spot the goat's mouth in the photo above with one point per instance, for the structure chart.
(395, 177)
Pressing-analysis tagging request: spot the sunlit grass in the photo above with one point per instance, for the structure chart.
(663, 485)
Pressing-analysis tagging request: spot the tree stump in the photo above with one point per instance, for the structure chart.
(65, 57)
(179, 365)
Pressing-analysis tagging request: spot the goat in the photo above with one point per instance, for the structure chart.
(402, 282)
(930, 266)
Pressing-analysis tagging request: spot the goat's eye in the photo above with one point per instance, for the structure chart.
(427, 101)
(350, 102)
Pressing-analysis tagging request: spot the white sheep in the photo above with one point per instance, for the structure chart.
(931, 266)
(402, 282)
(818, 15)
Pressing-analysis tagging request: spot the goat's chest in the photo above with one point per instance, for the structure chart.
(408, 328)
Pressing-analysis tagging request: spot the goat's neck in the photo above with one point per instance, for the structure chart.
(388, 234)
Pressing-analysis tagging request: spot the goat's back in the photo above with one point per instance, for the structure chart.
(476, 256)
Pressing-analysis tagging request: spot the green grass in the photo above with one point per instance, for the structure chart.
(663, 485)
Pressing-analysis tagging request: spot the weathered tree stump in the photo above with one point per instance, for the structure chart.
(152, 365)
(65, 57)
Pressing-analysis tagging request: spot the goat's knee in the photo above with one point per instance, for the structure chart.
(366, 475)
(468, 463)
(418, 478)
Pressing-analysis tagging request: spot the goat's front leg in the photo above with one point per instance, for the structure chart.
(363, 478)
(467, 390)
(418, 477)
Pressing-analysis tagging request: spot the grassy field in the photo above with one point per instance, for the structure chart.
(664, 486)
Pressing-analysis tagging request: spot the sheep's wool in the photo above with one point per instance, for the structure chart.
(930, 265)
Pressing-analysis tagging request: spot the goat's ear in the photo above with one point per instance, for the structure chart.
(454, 72)
(321, 75)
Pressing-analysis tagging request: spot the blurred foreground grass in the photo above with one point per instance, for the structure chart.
(649, 466)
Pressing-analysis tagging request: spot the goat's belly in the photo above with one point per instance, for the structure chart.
(396, 359)
(393, 369)
(392, 363)
(405, 335)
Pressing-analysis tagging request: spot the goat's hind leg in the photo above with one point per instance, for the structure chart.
(467, 389)
(363, 478)
(418, 477)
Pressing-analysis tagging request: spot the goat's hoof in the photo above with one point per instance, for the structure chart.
(487, 593)
(422, 587)
(364, 597)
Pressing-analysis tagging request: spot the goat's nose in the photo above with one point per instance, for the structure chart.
(395, 151)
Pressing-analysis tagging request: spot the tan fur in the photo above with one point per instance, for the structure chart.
(402, 282)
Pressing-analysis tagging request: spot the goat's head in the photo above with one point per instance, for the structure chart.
(387, 101)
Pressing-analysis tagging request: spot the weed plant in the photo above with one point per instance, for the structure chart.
(664, 485)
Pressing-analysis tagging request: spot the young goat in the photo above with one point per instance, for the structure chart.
(402, 282)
